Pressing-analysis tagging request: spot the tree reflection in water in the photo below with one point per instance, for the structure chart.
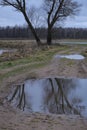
(51, 95)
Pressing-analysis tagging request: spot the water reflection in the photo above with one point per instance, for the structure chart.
(2, 51)
(73, 56)
(6, 50)
(51, 95)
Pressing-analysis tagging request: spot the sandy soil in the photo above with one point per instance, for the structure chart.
(64, 68)
(11, 119)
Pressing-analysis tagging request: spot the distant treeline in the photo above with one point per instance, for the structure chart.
(58, 33)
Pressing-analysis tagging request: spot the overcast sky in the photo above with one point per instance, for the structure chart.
(10, 17)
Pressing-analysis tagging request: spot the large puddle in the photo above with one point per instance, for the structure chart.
(51, 95)
(73, 56)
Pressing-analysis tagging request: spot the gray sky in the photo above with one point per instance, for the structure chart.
(8, 16)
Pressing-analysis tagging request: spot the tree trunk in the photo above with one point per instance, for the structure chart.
(49, 37)
(32, 29)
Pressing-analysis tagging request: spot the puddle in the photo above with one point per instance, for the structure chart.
(73, 56)
(51, 95)
(73, 42)
(2, 51)
(7, 50)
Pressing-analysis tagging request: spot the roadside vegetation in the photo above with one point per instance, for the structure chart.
(25, 60)
(19, 61)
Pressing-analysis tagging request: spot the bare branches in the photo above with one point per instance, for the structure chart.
(36, 17)
(17, 4)
(20, 5)
(10, 3)
(56, 15)
(24, 5)
(50, 12)
(58, 10)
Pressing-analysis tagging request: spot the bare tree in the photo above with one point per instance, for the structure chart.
(56, 11)
(20, 5)
(36, 17)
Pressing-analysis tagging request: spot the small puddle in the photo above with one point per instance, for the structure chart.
(73, 56)
(7, 50)
(51, 95)
(2, 51)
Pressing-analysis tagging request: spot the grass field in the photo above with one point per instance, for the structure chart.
(36, 58)
(29, 57)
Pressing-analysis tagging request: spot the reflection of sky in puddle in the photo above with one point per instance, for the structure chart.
(73, 56)
(40, 96)
(35, 93)
(7, 50)
(73, 42)
(2, 51)
(80, 92)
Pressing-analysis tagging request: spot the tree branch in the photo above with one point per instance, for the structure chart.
(50, 12)
(57, 12)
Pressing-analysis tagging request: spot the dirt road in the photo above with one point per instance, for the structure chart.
(11, 119)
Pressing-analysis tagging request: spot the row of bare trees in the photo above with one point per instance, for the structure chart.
(57, 33)
(53, 10)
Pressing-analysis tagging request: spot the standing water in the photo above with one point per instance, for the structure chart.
(3, 50)
(51, 95)
(7, 50)
(73, 56)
